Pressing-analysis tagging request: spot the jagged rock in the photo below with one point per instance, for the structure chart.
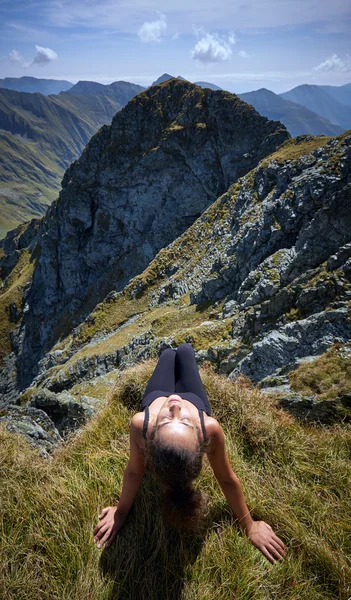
(66, 411)
(15, 314)
(305, 337)
(35, 425)
(341, 256)
(24, 236)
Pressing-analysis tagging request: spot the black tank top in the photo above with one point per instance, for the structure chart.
(193, 398)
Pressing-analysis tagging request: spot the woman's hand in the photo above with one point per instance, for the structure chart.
(111, 521)
(263, 537)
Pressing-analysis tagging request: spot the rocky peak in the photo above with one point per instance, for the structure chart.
(138, 185)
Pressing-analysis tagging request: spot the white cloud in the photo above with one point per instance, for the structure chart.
(151, 31)
(15, 57)
(212, 48)
(43, 55)
(243, 54)
(333, 64)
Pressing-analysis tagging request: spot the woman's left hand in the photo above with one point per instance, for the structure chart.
(263, 537)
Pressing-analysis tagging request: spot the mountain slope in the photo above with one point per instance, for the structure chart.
(138, 185)
(341, 93)
(119, 91)
(55, 129)
(297, 119)
(34, 84)
(259, 284)
(321, 102)
(267, 283)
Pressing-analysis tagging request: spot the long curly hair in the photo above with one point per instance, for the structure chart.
(175, 468)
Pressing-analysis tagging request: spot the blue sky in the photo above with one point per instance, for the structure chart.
(238, 45)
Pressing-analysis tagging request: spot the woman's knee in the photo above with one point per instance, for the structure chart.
(168, 351)
(185, 349)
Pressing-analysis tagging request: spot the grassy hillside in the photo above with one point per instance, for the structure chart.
(39, 137)
(295, 477)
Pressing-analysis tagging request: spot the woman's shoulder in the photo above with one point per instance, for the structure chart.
(211, 423)
(212, 428)
(137, 421)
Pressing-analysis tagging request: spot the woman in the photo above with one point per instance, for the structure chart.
(170, 435)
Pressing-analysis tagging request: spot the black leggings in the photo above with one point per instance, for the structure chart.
(177, 373)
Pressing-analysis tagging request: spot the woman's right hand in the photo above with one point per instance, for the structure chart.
(111, 521)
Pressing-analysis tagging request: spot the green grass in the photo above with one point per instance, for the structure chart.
(326, 377)
(293, 150)
(11, 293)
(295, 477)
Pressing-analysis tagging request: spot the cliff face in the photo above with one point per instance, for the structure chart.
(139, 184)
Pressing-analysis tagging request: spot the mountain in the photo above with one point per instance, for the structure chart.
(138, 185)
(321, 102)
(164, 78)
(118, 92)
(297, 119)
(204, 84)
(341, 93)
(259, 284)
(40, 136)
(33, 84)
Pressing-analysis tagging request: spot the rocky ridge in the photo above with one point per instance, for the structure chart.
(137, 186)
(260, 282)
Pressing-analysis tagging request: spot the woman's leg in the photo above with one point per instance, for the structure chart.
(187, 373)
(163, 377)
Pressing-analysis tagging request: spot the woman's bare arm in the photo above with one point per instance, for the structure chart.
(259, 532)
(135, 468)
(112, 518)
(226, 477)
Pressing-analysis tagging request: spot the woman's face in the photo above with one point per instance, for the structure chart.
(176, 422)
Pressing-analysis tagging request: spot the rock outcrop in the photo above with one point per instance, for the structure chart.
(139, 184)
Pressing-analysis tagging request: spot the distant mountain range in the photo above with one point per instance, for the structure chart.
(297, 118)
(33, 84)
(324, 102)
(40, 136)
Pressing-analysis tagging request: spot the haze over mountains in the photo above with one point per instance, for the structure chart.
(57, 127)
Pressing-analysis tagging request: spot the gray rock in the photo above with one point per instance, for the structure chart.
(310, 336)
(67, 412)
(35, 425)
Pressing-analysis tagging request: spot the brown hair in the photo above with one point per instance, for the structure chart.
(175, 468)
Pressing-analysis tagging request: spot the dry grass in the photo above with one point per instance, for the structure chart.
(295, 477)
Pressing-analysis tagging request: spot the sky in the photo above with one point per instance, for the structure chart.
(239, 46)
